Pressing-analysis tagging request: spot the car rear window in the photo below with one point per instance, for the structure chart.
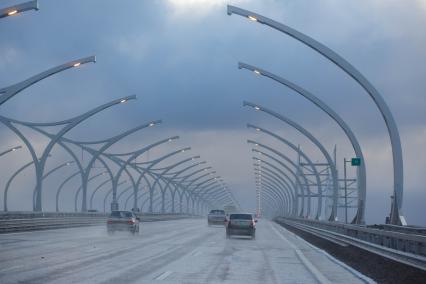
(217, 212)
(121, 214)
(241, 216)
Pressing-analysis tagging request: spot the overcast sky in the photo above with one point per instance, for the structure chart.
(180, 58)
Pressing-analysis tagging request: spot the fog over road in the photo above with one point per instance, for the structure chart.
(183, 251)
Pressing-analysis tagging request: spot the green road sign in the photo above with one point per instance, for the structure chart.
(356, 162)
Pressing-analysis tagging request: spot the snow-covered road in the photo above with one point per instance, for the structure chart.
(180, 251)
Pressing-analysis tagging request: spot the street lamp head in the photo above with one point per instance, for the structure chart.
(256, 151)
(76, 64)
(256, 108)
(252, 18)
(153, 124)
(257, 72)
(17, 9)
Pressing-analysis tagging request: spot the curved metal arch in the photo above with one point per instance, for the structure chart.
(164, 172)
(132, 157)
(284, 185)
(109, 142)
(8, 92)
(333, 214)
(80, 187)
(199, 177)
(281, 155)
(6, 189)
(283, 209)
(187, 190)
(267, 197)
(75, 121)
(302, 154)
(218, 199)
(27, 143)
(147, 200)
(396, 216)
(179, 183)
(215, 197)
(296, 173)
(271, 198)
(261, 176)
(123, 192)
(140, 197)
(201, 193)
(184, 179)
(362, 179)
(51, 172)
(208, 188)
(147, 192)
(296, 184)
(58, 191)
(283, 181)
(287, 179)
(276, 196)
(61, 142)
(19, 8)
(158, 161)
(130, 196)
(13, 149)
(163, 190)
(94, 191)
(213, 180)
(109, 192)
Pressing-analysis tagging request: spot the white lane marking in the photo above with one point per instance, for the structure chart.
(196, 253)
(315, 272)
(164, 275)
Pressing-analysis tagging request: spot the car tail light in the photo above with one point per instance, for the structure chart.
(252, 223)
(131, 222)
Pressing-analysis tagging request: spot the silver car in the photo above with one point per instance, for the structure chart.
(216, 217)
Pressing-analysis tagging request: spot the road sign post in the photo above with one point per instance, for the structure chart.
(356, 162)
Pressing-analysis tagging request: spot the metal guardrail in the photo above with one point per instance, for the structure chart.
(29, 221)
(402, 229)
(404, 247)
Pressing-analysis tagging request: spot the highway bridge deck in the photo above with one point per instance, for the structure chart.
(181, 251)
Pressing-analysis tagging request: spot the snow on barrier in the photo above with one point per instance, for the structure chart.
(29, 221)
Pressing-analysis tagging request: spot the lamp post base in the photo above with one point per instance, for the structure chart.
(114, 206)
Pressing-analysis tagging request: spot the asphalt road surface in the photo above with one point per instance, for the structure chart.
(181, 251)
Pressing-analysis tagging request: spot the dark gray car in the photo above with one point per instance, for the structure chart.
(123, 221)
(242, 224)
